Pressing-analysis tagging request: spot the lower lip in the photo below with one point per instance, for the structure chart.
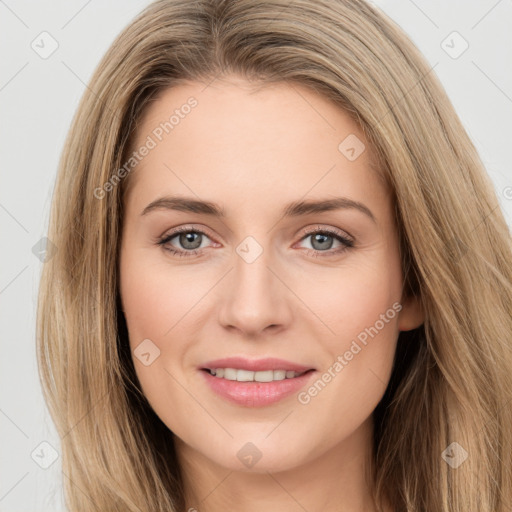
(255, 394)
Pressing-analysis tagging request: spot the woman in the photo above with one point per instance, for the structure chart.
(280, 262)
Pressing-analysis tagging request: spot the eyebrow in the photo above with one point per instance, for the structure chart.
(294, 209)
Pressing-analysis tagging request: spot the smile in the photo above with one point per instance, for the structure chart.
(255, 389)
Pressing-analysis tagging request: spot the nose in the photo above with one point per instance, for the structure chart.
(255, 298)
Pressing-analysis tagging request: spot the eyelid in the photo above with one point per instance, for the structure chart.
(185, 229)
(328, 229)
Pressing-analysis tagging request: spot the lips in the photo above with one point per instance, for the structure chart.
(255, 394)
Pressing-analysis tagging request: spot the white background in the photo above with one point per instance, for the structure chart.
(38, 98)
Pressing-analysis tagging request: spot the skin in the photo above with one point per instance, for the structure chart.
(252, 152)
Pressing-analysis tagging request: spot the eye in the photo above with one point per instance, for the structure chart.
(323, 239)
(190, 239)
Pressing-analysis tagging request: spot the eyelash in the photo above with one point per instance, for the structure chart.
(347, 243)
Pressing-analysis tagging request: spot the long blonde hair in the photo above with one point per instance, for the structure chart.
(452, 378)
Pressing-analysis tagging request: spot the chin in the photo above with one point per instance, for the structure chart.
(259, 457)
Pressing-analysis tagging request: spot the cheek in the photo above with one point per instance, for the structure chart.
(161, 304)
(156, 301)
(348, 299)
(155, 297)
(359, 307)
(365, 323)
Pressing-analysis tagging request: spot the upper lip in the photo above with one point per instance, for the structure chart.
(255, 365)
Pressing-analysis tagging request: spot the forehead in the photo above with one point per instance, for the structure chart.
(234, 135)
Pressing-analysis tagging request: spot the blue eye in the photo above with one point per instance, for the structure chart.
(191, 241)
(322, 242)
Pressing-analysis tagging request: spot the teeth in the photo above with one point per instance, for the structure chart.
(280, 374)
(230, 374)
(240, 375)
(248, 376)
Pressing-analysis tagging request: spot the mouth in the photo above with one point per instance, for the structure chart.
(258, 383)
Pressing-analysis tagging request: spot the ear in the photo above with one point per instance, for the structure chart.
(412, 315)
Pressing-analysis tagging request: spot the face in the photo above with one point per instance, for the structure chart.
(318, 288)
